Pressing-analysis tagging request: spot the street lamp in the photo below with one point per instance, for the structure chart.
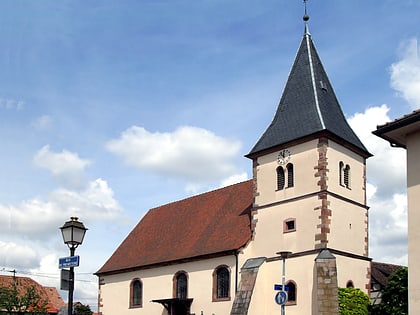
(283, 255)
(73, 233)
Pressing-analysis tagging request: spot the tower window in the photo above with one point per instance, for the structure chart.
(290, 175)
(136, 293)
(280, 178)
(289, 225)
(221, 284)
(347, 176)
(344, 175)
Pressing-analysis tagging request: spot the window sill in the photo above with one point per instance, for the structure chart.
(289, 231)
(135, 306)
(221, 299)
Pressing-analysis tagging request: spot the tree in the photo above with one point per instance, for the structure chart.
(81, 309)
(25, 300)
(394, 299)
(352, 301)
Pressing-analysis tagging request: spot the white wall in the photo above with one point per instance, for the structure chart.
(158, 284)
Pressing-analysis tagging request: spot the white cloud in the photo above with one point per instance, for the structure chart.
(39, 219)
(387, 168)
(236, 178)
(388, 228)
(386, 189)
(19, 256)
(67, 167)
(405, 74)
(191, 153)
(42, 123)
(11, 104)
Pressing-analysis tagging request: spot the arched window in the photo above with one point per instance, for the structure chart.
(181, 285)
(349, 284)
(341, 173)
(347, 176)
(221, 284)
(280, 178)
(344, 175)
(291, 293)
(290, 175)
(136, 293)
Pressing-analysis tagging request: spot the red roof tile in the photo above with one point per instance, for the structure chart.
(206, 224)
(46, 293)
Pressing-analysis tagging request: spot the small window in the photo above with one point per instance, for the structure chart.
(221, 284)
(349, 284)
(280, 178)
(341, 171)
(289, 225)
(290, 175)
(181, 285)
(291, 292)
(136, 293)
(347, 176)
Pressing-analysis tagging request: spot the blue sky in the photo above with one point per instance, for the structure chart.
(109, 108)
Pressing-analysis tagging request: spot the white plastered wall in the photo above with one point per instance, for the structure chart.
(158, 284)
(413, 191)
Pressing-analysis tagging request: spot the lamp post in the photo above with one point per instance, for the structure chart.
(73, 233)
(283, 255)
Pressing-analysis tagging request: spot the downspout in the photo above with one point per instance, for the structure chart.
(237, 272)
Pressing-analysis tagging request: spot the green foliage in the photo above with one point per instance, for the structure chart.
(81, 309)
(394, 295)
(28, 301)
(352, 301)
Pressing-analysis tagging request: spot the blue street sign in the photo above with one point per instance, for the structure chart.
(281, 297)
(279, 287)
(67, 262)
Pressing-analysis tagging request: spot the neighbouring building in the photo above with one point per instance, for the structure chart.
(404, 133)
(379, 279)
(217, 253)
(48, 294)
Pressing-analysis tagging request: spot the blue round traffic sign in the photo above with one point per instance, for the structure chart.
(281, 297)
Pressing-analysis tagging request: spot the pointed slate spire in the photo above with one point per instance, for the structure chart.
(308, 106)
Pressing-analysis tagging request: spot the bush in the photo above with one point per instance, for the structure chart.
(352, 301)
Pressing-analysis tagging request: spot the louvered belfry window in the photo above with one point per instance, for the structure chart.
(347, 176)
(341, 171)
(290, 175)
(280, 178)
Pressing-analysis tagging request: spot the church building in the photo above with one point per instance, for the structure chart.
(285, 240)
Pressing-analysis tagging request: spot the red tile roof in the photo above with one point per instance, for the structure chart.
(55, 302)
(210, 223)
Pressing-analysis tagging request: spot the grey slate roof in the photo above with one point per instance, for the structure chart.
(308, 106)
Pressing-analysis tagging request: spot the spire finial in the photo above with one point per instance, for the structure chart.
(306, 19)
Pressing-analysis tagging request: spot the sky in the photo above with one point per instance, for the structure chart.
(110, 108)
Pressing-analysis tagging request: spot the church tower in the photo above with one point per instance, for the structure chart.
(309, 171)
